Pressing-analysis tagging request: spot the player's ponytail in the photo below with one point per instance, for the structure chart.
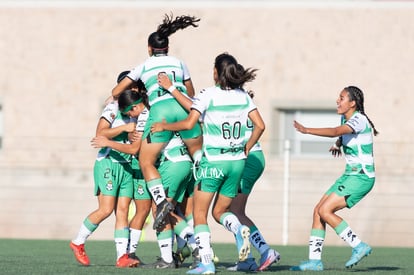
(356, 94)
(230, 73)
(158, 40)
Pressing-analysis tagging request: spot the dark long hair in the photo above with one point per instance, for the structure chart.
(356, 94)
(158, 40)
(128, 97)
(231, 74)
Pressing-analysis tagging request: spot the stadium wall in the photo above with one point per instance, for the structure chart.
(59, 61)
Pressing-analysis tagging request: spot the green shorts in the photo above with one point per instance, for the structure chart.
(189, 191)
(255, 164)
(171, 111)
(113, 178)
(352, 187)
(175, 178)
(220, 176)
(140, 186)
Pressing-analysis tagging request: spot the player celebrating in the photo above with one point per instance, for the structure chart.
(133, 103)
(113, 187)
(355, 136)
(255, 164)
(226, 108)
(163, 105)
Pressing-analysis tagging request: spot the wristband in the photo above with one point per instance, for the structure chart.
(172, 88)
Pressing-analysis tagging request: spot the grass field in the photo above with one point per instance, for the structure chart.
(55, 257)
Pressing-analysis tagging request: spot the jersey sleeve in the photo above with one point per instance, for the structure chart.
(357, 123)
(252, 106)
(142, 120)
(110, 111)
(186, 72)
(200, 102)
(136, 72)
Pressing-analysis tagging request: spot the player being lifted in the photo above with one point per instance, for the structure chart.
(162, 105)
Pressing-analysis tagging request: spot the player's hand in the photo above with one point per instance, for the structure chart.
(164, 81)
(130, 127)
(157, 127)
(335, 151)
(109, 100)
(99, 142)
(299, 127)
(134, 136)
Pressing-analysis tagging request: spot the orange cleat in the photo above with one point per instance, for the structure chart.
(126, 261)
(80, 254)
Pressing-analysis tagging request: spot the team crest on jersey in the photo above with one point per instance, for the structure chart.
(109, 186)
(140, 190)
(112, 115)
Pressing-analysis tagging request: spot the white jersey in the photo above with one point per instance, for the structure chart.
(142, 120)
(148, 73)
(249, 129)
(112, 114)
(358, 146)
(176, 150)
(225, 114)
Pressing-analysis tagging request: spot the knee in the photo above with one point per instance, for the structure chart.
(105, 212)
(144, 163)
(200, 218)
(142, 214)
(316, 211)
(323, 212)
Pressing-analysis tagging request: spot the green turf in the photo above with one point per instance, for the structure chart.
(55, 257)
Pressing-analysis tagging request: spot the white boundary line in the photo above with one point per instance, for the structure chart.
(318, 4)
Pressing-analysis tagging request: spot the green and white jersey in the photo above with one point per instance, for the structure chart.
(358, 146)
(176, 150)
(142, 120)
(112, 114)
(148, 73)
(225, 114)
(249, 129)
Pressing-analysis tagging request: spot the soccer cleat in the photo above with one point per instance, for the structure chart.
(163, 209)
(358, 253)
(160, 264)
(268, 258)
(135, 257)
(181, 254)
(310, 265)
(203, 269)
(196, 258)
(126, 261)
(80, 254)
(242, 237)
(248, 265)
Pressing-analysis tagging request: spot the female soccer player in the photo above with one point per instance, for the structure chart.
(355, 136)
(255, 164)
(113, 186)
(225, 108)
(174, 158)
(163, 105)
(133, 103)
